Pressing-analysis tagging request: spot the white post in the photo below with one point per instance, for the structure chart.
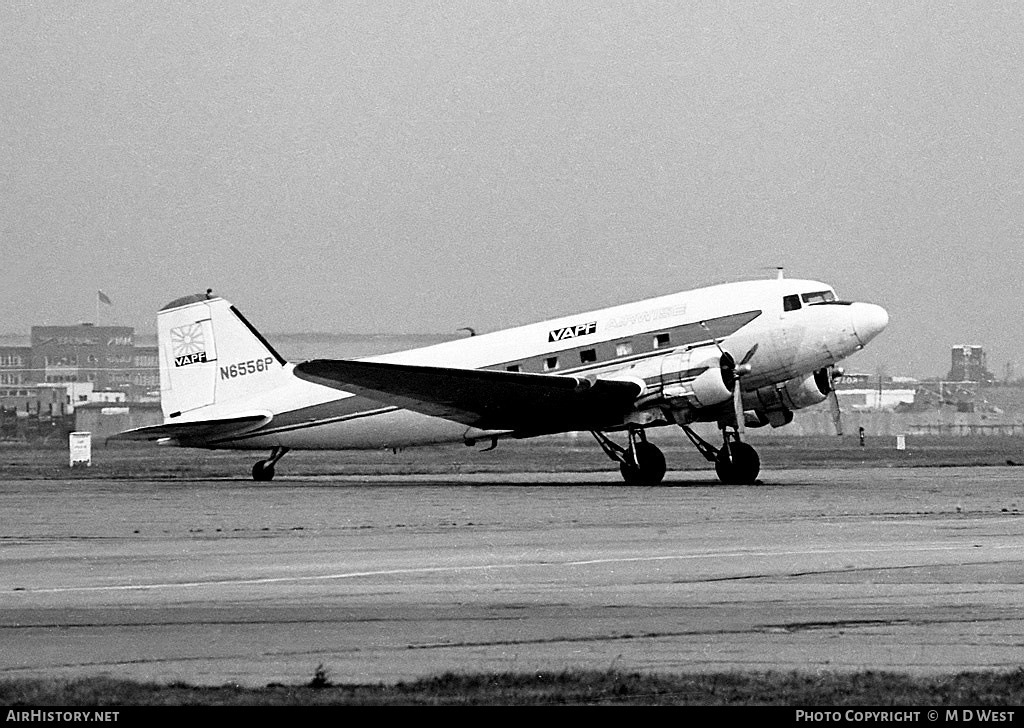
(901, 442)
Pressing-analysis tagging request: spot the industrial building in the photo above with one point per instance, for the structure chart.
(969, 365)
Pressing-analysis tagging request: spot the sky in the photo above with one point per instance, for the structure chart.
(416, 167)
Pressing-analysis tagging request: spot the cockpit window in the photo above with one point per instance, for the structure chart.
(819, 297)
(791, 303)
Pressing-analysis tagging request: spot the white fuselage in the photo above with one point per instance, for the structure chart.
(660, 342)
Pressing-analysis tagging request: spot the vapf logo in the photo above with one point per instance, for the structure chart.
(571, 332)
(188, 345)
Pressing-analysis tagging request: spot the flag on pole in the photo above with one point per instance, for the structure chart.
(103, 298)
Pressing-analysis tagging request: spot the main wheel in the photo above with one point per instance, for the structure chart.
(650, 466)
(263, 471)
(742, 468)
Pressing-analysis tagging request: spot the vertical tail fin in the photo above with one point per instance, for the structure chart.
(210, 356)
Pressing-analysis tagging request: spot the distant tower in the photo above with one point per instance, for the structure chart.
(969, 365)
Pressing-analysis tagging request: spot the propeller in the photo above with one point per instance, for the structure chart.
(738, 371)
(731, 375)
(830, 375)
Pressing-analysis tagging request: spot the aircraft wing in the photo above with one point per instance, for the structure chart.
(197, 431)
(529, 404)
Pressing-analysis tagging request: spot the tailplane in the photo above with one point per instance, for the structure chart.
(211, 358)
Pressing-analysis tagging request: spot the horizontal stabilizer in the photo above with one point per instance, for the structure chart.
(527, 404)
(196, 432)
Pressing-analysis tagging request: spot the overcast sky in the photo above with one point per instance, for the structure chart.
(412, 167)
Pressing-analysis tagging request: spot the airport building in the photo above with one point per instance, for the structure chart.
(102, 355)
(66, 367)
(107, 357)
(14, 363)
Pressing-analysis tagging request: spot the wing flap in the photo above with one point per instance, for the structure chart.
(482, 398)
(196, 431)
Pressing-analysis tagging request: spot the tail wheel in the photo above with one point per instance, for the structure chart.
(738, 464)
(649, 468)
(263, 471)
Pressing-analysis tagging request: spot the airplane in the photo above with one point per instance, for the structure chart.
(743, 354)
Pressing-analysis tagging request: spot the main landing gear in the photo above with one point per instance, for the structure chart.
(640, 462)
(264, 469)
(736, 463)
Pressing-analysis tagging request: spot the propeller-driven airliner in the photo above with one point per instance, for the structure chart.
(745, 354)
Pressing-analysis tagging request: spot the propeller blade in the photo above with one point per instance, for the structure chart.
(834, 372)
(732, 373)
(737, 405)
(738, 371)
(837, 413)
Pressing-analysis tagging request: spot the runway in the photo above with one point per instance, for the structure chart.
(389, 578)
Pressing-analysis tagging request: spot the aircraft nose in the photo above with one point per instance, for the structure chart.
(869, 321)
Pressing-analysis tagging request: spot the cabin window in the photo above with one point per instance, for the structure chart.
(818, 297)
(588, 356)
(551, 363)
(624, 348)
(512, 368)
(661, 341)
(791, 303)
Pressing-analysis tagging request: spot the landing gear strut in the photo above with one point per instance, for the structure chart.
(640, 462)
(736, 463)
(264, 469)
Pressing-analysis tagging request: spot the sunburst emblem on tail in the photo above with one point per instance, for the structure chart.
(188, 345)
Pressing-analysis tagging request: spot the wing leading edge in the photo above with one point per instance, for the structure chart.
(527, 404)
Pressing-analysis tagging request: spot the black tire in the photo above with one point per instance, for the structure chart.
(650, 467)
(743, 468)
(630, 474)
(262, 471)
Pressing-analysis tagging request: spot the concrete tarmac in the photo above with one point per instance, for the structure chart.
(382, 579)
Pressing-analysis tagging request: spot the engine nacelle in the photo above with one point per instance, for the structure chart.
(705, 390)
(795, 394)
(709, 388)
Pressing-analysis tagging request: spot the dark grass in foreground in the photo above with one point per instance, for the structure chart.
(566, 688)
